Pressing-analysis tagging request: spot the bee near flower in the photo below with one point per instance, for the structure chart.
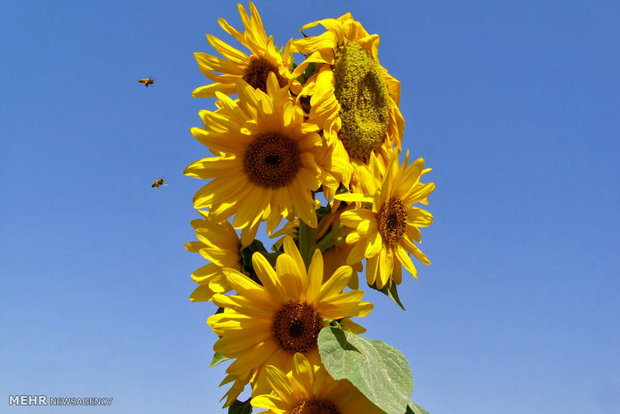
(147, 81)
(158, 183)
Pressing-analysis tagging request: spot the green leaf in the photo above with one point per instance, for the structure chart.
(414, 408)
(378, 370)
(217, 359)
(323, 211)
(239, 407)
(246, 259)
(308, 73)
(392, 293)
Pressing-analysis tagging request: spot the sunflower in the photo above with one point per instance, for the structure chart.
(217, 242)
(254, 68)
(385, 233)
(352, 97)
(268, 324)
(265, 167)
(309, 389)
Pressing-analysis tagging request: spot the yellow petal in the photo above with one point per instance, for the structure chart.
(280, 384)
(374, 244)
(226, 50)
(247, 287)
(201, 294)
(353, 197)
(337, 282)
(289, 275)
(303, 373)
(372, 270)
(315, 274)
(291, 249)
(405, 260)
(270, 402)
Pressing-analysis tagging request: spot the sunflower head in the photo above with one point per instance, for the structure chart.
(309, 389)
(385, 233)
(253, 68)
(353, 99)
(364, 101)
(272, 321)
(265, 167)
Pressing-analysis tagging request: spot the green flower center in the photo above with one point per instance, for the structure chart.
(296, 327)
(392, 221)
(364, 100)
(257, 72)
(272, 160)
(315, 407)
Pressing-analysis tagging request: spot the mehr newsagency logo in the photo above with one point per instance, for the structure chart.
(44, 400)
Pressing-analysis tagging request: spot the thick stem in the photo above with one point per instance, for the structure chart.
(330, 238)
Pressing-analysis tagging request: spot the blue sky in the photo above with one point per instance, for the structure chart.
(514, 106)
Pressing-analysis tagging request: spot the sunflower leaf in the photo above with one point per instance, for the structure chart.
(392, 293)
(246, 258)
(217, 359)
(239, 407)
(310, 70)
(378, 370)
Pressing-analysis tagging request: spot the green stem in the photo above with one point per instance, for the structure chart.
(306, 242)
(330, 238)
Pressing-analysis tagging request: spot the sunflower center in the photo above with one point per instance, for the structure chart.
(315, 407)
(364, 100)
(257, 72)
(272, 160)
(296, 327)
(392, 219)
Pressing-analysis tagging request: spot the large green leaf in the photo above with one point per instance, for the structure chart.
(378, 370)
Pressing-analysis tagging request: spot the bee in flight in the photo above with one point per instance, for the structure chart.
(147, 81)
(158, 182)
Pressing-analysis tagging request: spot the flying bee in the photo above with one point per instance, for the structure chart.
(158, 182)
(147, 81)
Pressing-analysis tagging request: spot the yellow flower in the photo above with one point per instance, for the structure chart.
(309, 389)
(218, 243)
(265, 168)
(268, 324)
(353, 98)
(254, 68)
(385, 233)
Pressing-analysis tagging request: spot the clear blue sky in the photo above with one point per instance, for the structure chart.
(515, 106)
